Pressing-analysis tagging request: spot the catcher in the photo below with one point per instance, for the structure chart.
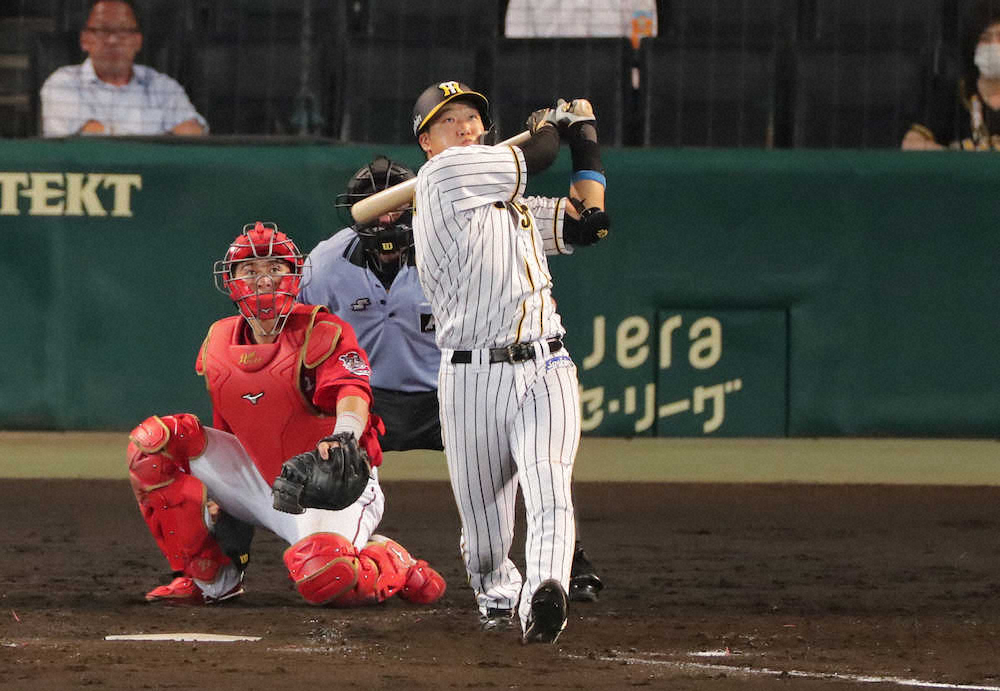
(292, 448)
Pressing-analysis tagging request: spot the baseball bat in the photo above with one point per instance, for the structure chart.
(370, 208)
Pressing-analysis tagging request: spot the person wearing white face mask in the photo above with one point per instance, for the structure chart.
(965, 114)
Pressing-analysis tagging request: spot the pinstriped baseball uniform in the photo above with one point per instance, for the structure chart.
(481, 252)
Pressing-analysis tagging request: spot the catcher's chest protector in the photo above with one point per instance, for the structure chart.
(256, 388)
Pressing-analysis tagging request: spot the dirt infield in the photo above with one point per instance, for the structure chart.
(796, 582)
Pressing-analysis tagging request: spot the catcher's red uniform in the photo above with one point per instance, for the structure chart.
(279, 398)
(270, 402)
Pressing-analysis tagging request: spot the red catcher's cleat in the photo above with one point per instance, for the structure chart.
(184, 591)
(180, 590)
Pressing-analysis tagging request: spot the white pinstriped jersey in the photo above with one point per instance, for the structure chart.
(481, 248)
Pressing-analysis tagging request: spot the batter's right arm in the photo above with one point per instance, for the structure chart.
(461, 179)
(390, 198)
(541, 150)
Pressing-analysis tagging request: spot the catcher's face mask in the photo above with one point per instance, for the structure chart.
(261, 273)
(387, 245)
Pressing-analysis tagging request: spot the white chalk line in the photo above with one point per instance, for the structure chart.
(182, 637)
(764, 671)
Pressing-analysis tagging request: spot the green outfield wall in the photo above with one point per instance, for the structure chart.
(741, 293)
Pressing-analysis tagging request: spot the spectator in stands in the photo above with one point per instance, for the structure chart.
(109, 94)
(635, 19)
(965, 113)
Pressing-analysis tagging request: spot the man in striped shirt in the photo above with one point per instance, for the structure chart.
(507, 387)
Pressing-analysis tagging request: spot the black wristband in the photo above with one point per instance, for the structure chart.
(541, 150)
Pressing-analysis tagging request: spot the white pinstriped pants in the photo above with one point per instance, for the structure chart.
(508, 425)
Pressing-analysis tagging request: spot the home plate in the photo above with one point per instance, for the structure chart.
(195, 637)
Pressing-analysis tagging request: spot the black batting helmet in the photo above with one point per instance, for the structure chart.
(373, 177)
(436, 95)
(369, 179)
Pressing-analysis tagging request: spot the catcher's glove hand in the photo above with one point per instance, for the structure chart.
(307, 481)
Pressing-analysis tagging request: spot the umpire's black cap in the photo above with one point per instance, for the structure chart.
(436, 95)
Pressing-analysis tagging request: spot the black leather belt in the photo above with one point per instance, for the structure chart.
(515, 352)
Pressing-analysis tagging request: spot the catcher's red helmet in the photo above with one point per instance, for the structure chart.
(261, 241)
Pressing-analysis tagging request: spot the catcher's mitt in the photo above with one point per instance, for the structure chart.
(307, 481)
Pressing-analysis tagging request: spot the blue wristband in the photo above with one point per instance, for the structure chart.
(589, 175)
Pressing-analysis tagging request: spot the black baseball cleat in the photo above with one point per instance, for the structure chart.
(547, 618)
(496, 619)
(585, 588)
(584, 583)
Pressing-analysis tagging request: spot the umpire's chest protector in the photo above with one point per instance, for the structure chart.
(258, 388)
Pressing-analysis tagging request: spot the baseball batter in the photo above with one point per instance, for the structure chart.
(507, 387)
(282, 376)
(367, 276)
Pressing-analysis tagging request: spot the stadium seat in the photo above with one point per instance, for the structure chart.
(50, 50)
(756, 24)
(16, 109)
(707, 97)
(531, 73)
(255, 92)
(253, 20)
(264, 67)
(383, 78)
(863, 24)
(855, 100)
(435, 22)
